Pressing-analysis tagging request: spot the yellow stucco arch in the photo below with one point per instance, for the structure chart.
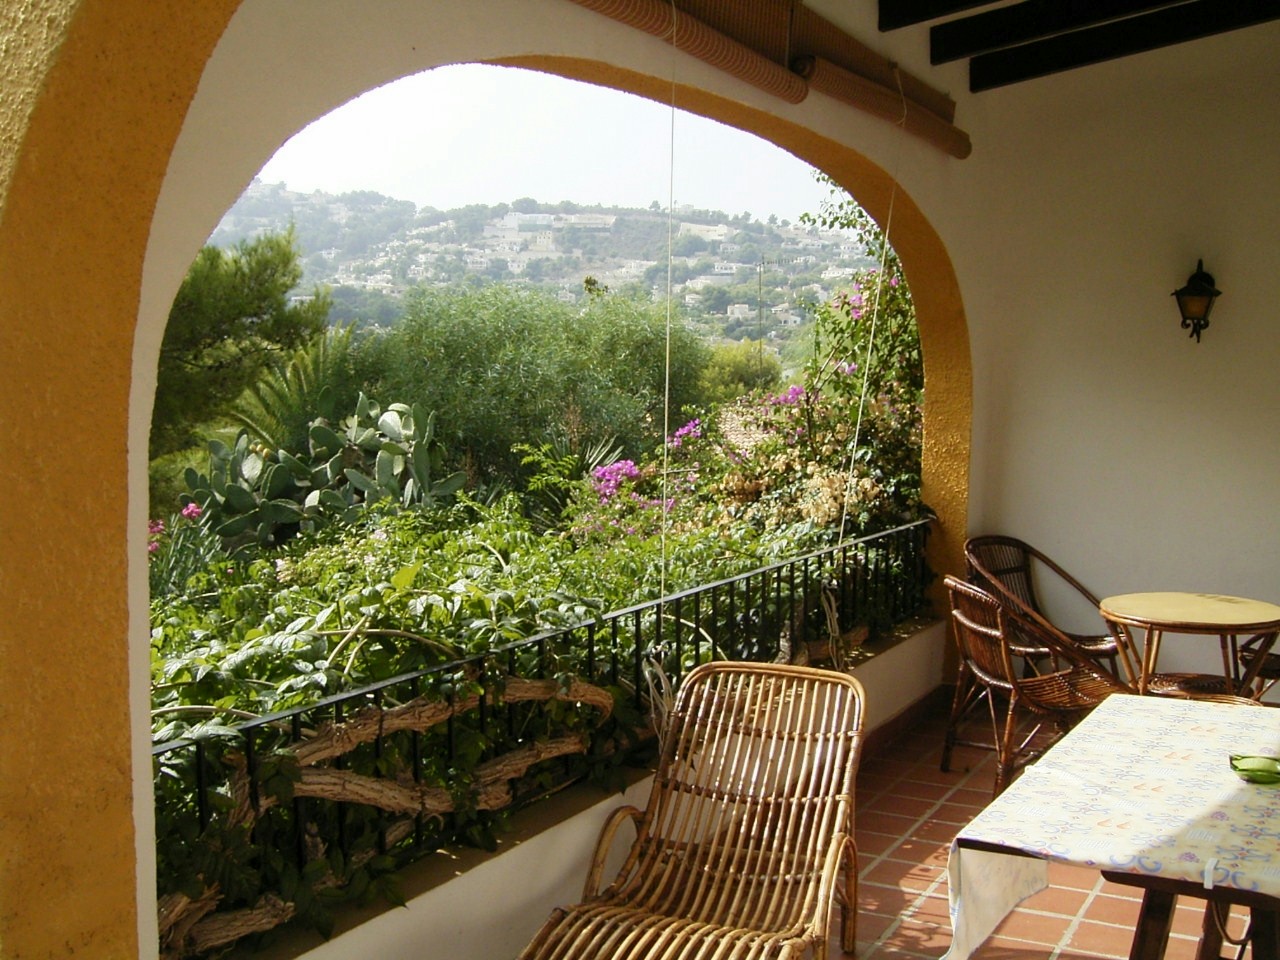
(95, 94)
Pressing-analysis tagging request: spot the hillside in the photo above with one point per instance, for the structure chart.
(734, 276)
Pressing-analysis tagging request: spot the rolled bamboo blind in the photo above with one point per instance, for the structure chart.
(873, 98)
(694, 37)
(812, 35)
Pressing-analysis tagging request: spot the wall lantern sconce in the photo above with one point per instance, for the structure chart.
(1195, 300)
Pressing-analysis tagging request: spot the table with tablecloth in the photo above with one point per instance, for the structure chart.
(1142, 786)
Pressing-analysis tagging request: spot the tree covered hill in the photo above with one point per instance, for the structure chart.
(735, 275)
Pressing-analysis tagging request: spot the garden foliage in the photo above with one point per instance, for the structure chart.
(308, 562)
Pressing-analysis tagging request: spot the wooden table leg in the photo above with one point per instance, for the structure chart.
(1215, 921)
(1265, 932)
(1154, 923)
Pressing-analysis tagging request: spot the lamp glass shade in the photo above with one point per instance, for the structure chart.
(1195, 300)
(1194, 306)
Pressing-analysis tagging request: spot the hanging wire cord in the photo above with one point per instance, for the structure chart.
(850, 486)
(666, 382)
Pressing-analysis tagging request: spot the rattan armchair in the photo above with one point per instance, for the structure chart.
(1009, 568)
(747, 838)
(1028, 711)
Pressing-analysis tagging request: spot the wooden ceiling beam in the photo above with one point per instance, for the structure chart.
(1151, 31)
(895, 14)
(1025, 22)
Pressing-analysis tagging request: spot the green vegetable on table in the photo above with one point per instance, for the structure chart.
(1256, 769)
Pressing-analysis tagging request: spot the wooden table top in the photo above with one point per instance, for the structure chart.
(1207, 612)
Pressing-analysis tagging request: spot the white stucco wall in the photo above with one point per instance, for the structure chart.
(1136, 457)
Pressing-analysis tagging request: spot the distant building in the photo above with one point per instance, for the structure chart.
(543, 240)
(527, 221)
(585, 221)
(717, 232)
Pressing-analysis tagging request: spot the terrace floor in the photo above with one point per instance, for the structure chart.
(907, 813)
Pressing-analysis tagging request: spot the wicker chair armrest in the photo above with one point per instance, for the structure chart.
(604, 844)
(1076, 584)
(838, 886)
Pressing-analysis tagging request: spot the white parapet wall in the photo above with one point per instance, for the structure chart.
(478, 906)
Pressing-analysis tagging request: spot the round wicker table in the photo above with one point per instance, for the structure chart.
(1209, 614)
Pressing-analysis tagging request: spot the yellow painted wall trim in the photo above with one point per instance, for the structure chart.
(99, 93)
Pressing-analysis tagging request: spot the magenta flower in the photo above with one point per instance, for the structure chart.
(794, 395)
(610, 477)
(691, 430)
(191, 511)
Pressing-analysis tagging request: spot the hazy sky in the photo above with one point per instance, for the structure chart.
(476, 134)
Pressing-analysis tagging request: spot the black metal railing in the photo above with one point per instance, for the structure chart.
(243, 812)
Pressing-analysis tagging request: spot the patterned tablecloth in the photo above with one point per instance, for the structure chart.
(1142, 785)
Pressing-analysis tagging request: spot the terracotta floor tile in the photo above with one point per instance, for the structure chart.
(932, 908)
(929, 852)
(870, 928)
(1184, 948)
(1122, 890)
(956, 814)
(872, 845)
(1003, 948)
(1063, 901)
(918, 936)
(889, 901)
(975, 800)
(1102, 939)
(901, 805)
(1077, 878)
(877, 821)
(936, 829)
(1033, 927)
(908, 876)
(1115, 910)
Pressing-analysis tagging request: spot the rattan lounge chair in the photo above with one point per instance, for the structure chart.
(747, 838)
(1037, 708)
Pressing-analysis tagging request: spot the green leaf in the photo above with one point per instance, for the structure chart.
(251, 468)
(332, 500)
(235, 526)
(385, 468)
(391, 424)
(449, 485)
(405, 576)
(360, 481)
(324, 442)
(239, 499)
(276, 481)
(281, 511)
